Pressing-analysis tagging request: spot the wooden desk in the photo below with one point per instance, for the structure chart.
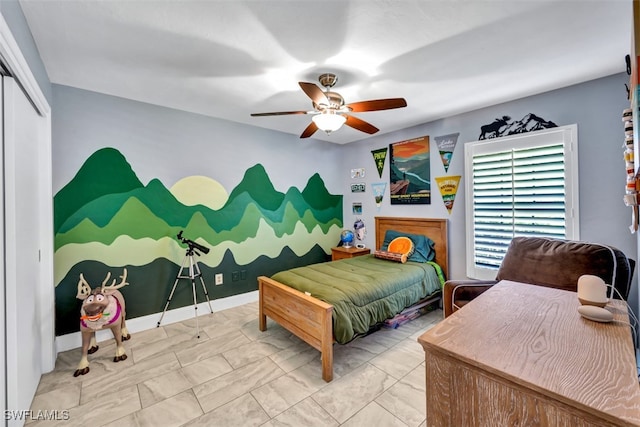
(522, 355)
(340, 252)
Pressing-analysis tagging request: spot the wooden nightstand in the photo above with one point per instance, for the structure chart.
(341, 252)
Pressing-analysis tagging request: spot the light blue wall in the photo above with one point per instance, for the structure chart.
(170, 144)
(595, 106)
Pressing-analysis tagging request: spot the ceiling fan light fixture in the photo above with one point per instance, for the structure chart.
(329, 121)
(330, 111)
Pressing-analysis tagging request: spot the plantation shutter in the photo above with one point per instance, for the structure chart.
(518, 187)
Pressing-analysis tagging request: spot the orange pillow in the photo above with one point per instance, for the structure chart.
(401, 245)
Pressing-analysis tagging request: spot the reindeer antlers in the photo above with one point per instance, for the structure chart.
(113, 286)
(106, 279)
(83, 288)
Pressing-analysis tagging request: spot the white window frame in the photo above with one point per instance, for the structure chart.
(568, 136)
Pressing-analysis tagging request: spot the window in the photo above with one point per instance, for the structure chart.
(523, 185)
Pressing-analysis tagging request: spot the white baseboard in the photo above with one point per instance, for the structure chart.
(74, 340)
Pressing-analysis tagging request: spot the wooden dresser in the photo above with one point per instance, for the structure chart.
(522, 355)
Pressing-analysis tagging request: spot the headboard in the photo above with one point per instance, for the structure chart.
(435, 229)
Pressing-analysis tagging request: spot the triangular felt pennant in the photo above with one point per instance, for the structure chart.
(379, 157)
(446, 146)
(448, 186)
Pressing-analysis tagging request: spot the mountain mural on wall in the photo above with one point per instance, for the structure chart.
(106, 219)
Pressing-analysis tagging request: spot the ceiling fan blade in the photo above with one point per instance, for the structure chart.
(314, 92)
(278, 113)
(310, 130)
(377, 105)
(360, 125)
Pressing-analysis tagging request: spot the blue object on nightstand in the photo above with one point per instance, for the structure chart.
(346, 237)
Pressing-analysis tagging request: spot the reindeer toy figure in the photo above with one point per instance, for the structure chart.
(102, 307)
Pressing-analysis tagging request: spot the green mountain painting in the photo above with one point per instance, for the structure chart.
(107, 220)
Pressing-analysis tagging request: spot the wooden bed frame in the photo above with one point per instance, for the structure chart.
(309, 318)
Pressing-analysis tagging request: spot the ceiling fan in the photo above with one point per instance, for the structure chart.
(330, 112)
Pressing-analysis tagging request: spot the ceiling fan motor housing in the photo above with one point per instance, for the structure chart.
(336, 101)
(328, 79)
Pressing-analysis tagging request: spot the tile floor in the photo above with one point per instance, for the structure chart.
(235, 375)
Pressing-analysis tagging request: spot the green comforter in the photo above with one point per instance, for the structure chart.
(363, 290)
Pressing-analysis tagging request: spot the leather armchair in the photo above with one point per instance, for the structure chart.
(548, 262)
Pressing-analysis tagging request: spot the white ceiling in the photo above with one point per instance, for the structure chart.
(230, 58)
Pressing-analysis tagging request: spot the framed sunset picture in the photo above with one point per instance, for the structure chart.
(410, 172)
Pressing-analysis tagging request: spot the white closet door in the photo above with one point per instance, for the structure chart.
(22, 135)
(3, 353)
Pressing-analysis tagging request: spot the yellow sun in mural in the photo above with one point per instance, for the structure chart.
(200, 190)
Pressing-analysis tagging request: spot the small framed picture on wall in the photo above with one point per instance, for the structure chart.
(358, 187)
(357, 173)
(357, 208)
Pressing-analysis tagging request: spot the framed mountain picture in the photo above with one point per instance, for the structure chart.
(410, 172)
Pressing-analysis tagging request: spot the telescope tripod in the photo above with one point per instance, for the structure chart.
(194, 271)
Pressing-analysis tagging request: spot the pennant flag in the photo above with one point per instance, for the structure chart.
(446, 145)
(379, 157)
(448, 186)
(378, 189)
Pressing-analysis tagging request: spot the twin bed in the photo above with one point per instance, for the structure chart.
(364, 291)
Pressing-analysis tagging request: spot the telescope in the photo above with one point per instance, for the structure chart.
(192, 245)
(194, 271)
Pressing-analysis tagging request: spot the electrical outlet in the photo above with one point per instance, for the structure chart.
(243, 274)
(235, 276)
(219, 277)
